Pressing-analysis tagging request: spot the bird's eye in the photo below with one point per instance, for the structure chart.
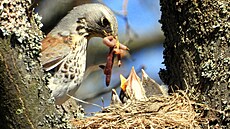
(104, 22)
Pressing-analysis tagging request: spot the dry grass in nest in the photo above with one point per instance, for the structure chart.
(175, 111)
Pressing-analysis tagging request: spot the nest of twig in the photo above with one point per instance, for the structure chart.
(174, 111)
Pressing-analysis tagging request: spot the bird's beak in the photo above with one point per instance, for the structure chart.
(114, 36)
(109, 33)
(118, 42)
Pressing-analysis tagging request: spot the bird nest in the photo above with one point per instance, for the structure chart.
(174, 111)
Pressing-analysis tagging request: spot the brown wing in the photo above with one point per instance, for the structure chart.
(54, 50)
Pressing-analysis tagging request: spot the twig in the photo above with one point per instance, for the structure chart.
(82, 101)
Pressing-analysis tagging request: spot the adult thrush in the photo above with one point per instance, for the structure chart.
(64, 48)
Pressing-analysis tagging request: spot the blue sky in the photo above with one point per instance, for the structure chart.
(143, 15)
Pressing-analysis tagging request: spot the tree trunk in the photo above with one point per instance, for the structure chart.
(23, 93)
(197, 53)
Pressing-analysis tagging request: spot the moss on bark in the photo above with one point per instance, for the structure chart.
(197, 53)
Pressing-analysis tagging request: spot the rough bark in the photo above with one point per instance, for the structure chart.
(22, 92)
(24, 96)
(197, 52)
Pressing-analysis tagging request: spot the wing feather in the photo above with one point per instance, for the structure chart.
(54, 50)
